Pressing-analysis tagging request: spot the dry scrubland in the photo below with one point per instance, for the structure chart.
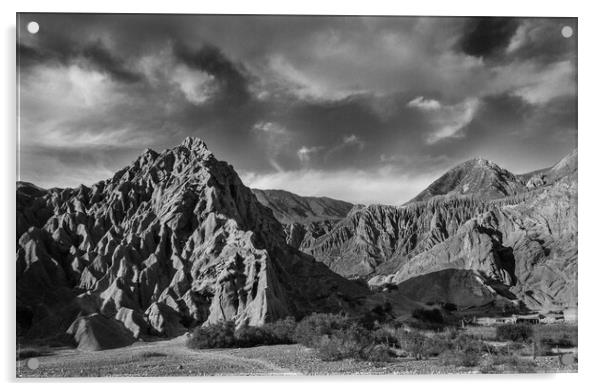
(319, 345)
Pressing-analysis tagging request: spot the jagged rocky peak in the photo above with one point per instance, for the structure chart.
(479, 176)
(195, 144)
(172, 240)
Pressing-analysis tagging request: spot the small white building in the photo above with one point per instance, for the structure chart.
(570, 315)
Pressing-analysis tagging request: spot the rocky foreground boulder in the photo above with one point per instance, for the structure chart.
(172, 240)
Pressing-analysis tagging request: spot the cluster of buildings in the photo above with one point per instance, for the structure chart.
(567, 316)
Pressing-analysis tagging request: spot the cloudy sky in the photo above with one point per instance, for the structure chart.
(366, 109)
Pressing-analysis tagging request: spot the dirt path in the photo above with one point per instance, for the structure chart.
(160, 358)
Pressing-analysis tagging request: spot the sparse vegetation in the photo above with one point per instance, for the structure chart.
(151, 354)
(225, 335)
(310, 330)
(514, 332)
(557, 335)
(219, 335)
(336, 337)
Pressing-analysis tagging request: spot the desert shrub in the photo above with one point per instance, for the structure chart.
(502, 362)
(464, 350)
(414, 343)
(353, 341)
(151, 354)
(219, 335)
(248, 336)
(514, 332)
(560, 335)
(462, 358)
(282, 331)
(342, 344)
(225, 334)
(336, 337)
(438, 344)
(378, 353)
(310, 330)
(383, 336)
(430, 316)
(376, 316)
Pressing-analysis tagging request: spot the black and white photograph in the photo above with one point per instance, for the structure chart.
(204, 195)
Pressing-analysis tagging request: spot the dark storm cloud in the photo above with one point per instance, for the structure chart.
(369, 109)
(101, 59)
(212, 61)
(95, 55)
(484, 37)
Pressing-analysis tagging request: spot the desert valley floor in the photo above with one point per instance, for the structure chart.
(173, 358)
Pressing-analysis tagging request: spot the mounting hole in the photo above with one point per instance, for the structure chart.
(33, 363)
(567, 31)
(33, 27)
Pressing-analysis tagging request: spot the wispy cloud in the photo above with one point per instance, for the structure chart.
(446, 120)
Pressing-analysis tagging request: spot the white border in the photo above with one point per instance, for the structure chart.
(590, 147)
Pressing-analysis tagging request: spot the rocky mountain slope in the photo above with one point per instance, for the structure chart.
(304, 219)
(172, 240)
(478, 177)
(566, 166)
(523, 246)
(291, 208)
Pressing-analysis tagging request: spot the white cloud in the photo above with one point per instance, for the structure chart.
(551, 82)
(424, 104)
(364, 187)
(446, 120)
(270, 127)
(306, 85)
(304, 153)
(449, 120)
(198, 87)
(519, 38)
(352, 139)
(55, 97)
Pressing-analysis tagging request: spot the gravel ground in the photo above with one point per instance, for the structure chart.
(173, 358)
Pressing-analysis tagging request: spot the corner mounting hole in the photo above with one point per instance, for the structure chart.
(567, 31)
(33, 27)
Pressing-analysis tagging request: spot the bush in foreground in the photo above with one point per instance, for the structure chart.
(219, 335)
(310, 330)
(226, 335)
(514, 332)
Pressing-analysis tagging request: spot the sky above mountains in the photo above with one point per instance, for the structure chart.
(365, 109)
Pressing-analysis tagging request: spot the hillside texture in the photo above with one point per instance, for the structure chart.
(174, 239)
(520, 239)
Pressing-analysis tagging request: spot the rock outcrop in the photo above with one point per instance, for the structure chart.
(96, 332)
(173, 240)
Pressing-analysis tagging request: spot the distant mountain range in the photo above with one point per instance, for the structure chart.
(291, 208)
(175, 239)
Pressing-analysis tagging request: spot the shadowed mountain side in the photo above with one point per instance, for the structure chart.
(291, 208)
(461, 287)
(304, 219)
